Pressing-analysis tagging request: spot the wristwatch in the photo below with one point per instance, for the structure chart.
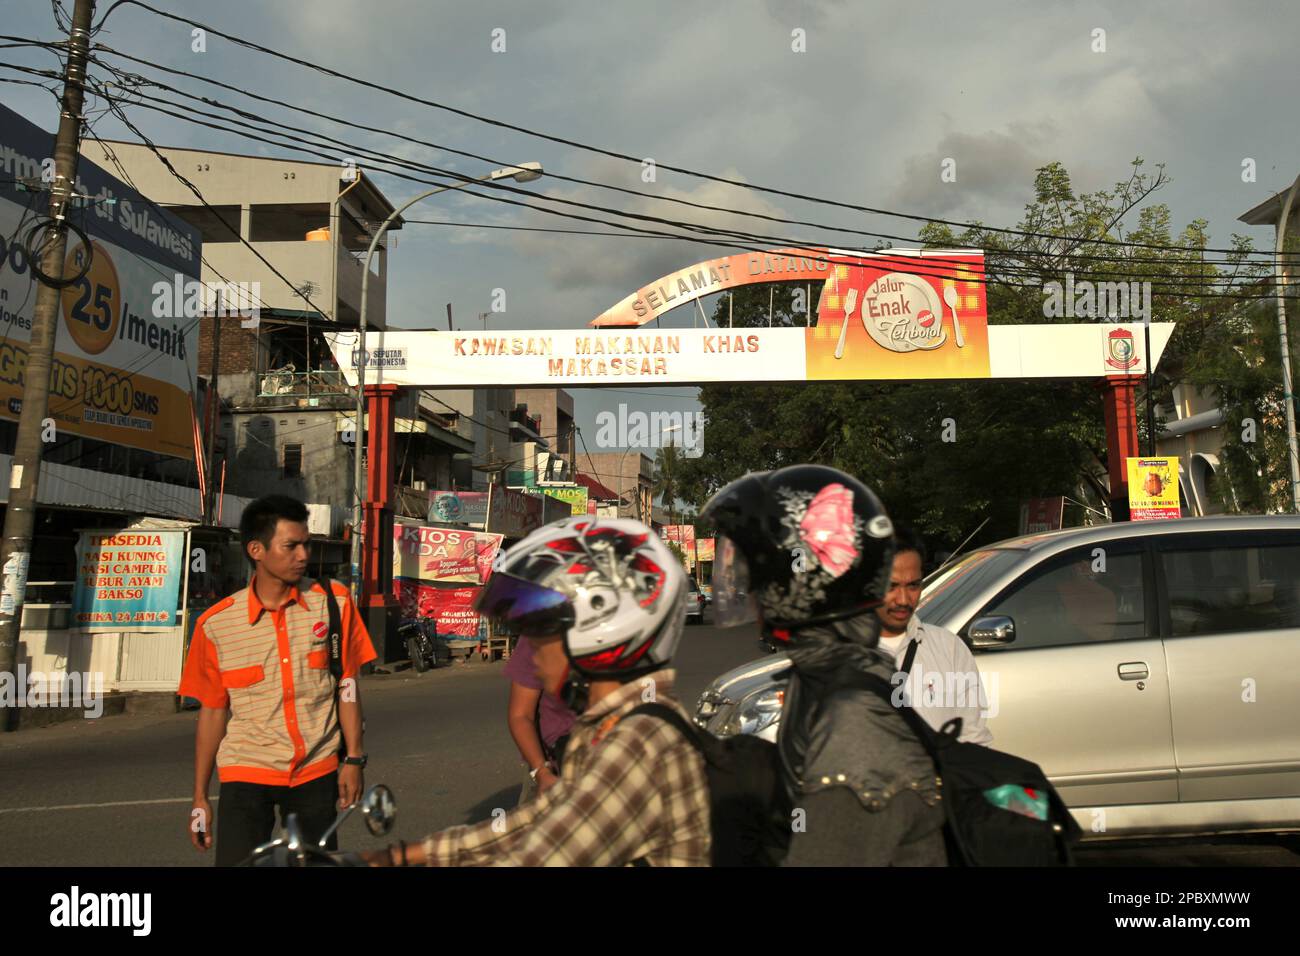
(532, 774)
(356, 761)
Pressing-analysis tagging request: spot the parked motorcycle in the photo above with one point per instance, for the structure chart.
(421, 637)
(379, 808)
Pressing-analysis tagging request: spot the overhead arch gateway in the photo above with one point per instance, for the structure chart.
(889, 315)
(910, 314)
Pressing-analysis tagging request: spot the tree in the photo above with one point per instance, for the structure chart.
(946, 455)
(666, 487)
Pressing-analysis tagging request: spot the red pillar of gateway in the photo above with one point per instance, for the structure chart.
(1119, 397)
(379, 606)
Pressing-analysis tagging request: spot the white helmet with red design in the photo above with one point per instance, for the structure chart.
(609, 586)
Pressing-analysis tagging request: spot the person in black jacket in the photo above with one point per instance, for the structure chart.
(808, 551)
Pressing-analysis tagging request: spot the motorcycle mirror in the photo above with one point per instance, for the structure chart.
(379, 807)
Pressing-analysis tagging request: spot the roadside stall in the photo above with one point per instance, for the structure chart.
(438, 574)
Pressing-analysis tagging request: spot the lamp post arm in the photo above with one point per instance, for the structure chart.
(359, 498)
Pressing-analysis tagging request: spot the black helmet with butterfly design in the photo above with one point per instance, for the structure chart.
(803, 546)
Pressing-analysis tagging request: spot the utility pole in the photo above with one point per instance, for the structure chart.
(25, 473)
(213, 418)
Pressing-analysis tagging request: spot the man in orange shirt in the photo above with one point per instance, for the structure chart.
(272, 718)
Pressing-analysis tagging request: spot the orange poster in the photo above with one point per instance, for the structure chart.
(904, 317)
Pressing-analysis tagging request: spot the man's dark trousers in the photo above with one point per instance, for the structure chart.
(246, 814)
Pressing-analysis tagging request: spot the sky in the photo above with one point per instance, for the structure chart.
(866, 112)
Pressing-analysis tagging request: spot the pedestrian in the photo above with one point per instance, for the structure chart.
(601, 602)
(807, 551)
(272, 718)
(539, 722)
(935, 669)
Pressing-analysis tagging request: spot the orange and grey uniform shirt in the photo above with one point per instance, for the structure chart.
(271, 668)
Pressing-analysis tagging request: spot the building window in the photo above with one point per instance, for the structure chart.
(292, 461)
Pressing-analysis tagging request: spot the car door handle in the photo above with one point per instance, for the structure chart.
(1134, 670)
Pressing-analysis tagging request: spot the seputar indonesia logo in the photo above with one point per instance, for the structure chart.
(1121, 353)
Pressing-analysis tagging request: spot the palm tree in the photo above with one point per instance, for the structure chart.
(667, 481)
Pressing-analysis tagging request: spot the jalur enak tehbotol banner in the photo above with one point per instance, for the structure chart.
(125, 347)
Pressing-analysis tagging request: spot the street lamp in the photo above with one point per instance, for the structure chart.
(623, 479)
(523, 173)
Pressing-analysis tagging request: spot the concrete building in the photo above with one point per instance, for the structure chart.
(1193, 431)
(548, 414)
(630, 475)
(288, 422)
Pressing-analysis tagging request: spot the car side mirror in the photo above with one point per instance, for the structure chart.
(992, 631)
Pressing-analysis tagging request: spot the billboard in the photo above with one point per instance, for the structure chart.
(458, 507)
(125, 353)
(593, 357)
(422, 553)
(1153, 488)
(128, 580)
(575, 496)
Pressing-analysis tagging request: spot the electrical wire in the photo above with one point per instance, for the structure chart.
(251, 122)
(613, 154)
(910, 265)
(877, 258)
(551, 174)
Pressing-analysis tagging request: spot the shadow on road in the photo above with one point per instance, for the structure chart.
(501, 800)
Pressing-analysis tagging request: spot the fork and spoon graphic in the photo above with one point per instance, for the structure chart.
(851, 300)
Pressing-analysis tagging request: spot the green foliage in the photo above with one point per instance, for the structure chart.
(1014, 439)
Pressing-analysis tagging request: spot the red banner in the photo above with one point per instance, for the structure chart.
(452, 609)
(443, 554)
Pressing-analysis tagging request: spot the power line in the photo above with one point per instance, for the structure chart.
(613, 154)
(876, 258)
(251, 122)
(551, 174)
(910, 265)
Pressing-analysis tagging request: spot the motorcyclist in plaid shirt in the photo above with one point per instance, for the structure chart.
(601, 603)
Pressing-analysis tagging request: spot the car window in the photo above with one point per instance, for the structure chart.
(952, 587)
(1085, 596)
(1239, 587)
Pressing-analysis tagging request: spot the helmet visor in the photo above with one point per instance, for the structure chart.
(523, 607)
(733, 604)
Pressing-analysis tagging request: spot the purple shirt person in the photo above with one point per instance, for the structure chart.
(537, 721)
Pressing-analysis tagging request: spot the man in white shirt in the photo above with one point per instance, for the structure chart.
(942, 680)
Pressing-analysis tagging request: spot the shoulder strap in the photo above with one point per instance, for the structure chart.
(335, 636)
(664, 712)
(910, 656)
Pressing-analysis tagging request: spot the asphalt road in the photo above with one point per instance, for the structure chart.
(115, 791)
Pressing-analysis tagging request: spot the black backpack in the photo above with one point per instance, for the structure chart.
(749, 812)
(977, 832)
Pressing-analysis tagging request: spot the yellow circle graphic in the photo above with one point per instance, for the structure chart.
(92, 307)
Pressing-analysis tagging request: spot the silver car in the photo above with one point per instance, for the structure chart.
(1151, 668)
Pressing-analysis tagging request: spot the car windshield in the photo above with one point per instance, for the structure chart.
(954, 585)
